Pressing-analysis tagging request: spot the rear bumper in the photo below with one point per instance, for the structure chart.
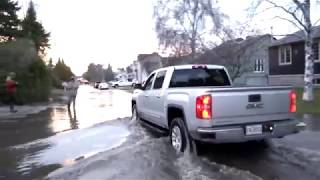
(230, 134)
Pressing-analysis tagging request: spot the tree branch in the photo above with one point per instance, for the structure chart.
(316, 22)
(291, 13)
(300, 6)
(263, 11)
(190, 21)
(184, 28)
(291, 21)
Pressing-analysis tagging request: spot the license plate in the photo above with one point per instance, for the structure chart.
(254, 129)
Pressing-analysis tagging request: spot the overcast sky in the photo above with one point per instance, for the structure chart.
(116, 31)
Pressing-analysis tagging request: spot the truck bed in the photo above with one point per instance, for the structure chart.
(240, 105)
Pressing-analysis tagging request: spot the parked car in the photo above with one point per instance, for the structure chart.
(121, 83)
(103, 86)
(96, 85)
(198, 103)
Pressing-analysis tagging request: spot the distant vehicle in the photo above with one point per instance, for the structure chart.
(103, 86)
(134, 82)
(122, 83)
(83, 81)
(96, 85)
(198, 103)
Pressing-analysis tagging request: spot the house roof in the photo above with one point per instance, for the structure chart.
(297, 37)
(213, 56)
(142, 57)
(232, 48)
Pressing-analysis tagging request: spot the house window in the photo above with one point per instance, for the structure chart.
(285, 55)
(316, 81)
(316, 49)
(259, 65)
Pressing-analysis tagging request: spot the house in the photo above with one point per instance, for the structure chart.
(132, 71)
(245, 59)
(121, 74)
(147, 63)
(287, 59)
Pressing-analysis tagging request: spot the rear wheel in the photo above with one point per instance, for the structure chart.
(178, 136)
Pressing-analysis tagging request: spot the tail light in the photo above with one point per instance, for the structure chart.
(293, 102)
(204, 107)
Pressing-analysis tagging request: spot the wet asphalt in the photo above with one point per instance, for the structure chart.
(97, 140)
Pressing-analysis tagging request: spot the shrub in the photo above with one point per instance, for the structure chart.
(31, 72)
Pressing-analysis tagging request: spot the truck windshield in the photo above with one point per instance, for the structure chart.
(199, 77)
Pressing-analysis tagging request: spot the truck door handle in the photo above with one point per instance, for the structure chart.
(158, 97)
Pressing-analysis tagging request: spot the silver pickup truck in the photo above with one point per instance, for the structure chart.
(198, 103)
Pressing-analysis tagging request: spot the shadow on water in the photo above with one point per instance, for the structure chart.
(243, 154)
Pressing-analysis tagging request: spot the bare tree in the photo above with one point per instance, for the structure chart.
(175, 41)
(182, 23)
(235, 54)
(299, 11)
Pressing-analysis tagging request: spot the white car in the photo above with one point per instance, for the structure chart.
(103, 86)
(121, 83)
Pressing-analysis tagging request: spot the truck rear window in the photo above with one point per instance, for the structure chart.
(199, 77)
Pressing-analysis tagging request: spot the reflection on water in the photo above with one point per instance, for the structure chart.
(60, 120)
(100, 106)
(73, 118)
(66, 148)
(45, 141)
(92, 107)
(312, 121)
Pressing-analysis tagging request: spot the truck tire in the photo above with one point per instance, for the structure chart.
(179, 137)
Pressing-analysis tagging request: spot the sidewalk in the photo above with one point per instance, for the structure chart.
(23, 111)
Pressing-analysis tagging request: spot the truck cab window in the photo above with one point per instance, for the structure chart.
(199, 77)
(159, 80)
(148, 83)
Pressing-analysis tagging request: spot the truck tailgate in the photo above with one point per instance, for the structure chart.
(243, 105)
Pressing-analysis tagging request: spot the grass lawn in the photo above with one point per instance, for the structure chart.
(308, 108)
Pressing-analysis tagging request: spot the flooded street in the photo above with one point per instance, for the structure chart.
(33, 146)
(148, 155)
(97, 140)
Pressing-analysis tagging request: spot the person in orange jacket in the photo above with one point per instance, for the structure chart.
(11, 87)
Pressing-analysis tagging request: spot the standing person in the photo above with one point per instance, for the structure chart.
(72, 90)
(11, 87)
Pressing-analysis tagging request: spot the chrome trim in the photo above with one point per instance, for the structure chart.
(206, 130)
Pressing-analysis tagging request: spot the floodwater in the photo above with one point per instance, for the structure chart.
(35, 145)
(96, 141)
(148, 155)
